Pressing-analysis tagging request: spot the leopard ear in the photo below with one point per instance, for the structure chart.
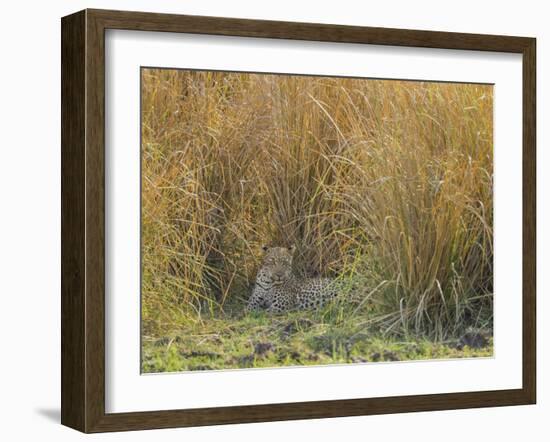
(292, 248)
(265, 248)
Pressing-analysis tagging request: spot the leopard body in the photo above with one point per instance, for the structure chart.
(278, 290)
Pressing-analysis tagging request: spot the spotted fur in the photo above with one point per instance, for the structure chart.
(278, 290)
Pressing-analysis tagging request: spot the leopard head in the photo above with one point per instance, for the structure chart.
(276, 267)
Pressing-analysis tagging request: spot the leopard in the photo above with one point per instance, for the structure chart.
(277, 289)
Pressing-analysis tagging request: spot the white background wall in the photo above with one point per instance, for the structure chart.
(30, 217)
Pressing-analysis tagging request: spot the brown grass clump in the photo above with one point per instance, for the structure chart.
(385, 184)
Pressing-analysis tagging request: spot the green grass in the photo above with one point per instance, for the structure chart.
(260, 341)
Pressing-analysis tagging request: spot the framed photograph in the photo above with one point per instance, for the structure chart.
(266, 220)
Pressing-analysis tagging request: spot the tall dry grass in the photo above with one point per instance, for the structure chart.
(387, 184)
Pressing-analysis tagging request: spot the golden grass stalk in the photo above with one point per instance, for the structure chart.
(381, 181)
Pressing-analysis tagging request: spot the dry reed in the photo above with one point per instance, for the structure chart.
(387, 184)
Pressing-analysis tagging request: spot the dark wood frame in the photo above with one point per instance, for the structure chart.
(83, 216)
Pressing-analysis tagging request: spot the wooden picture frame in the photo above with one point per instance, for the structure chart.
(83, 220)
